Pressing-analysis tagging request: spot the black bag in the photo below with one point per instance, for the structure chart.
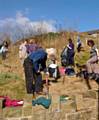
(70, 71)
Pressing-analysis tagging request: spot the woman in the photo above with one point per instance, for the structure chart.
(70, 52)
(91, 63)
(67, 55)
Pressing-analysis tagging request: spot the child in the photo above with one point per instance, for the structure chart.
(52, 64)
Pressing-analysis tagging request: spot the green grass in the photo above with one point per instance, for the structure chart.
(8, 77)
(12, 85)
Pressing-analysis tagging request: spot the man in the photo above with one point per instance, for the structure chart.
(33, 65)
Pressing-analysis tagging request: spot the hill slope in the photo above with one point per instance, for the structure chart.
(12, 81)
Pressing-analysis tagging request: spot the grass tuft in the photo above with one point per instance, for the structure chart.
(8, 77)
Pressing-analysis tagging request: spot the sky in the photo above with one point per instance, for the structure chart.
(80, 15)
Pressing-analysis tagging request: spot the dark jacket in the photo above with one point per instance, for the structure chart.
(38, 58)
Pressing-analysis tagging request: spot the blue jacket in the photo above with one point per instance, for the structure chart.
(38, 58)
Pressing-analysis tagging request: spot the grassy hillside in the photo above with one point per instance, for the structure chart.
(12, 81)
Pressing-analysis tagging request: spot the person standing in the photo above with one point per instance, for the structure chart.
(67, 55)
(4, 50)
(70, 52)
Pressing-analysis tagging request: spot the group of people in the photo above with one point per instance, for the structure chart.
(91, 66)
(34, 59)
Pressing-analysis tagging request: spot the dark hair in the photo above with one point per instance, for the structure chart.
(70, 40)
(90, 42)
(5, 43)
(25, 40)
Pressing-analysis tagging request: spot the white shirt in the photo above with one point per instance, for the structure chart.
(22, 51)
(3, 49)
